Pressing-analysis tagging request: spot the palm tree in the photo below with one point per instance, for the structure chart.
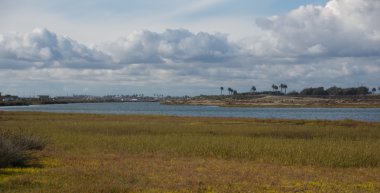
(285, 87)
(221, 90)
(253, 89)
(281, 86)
(373, 90)
(230, 90)
(274, 87)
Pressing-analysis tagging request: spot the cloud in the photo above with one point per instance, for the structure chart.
(43, 49)
(342, 28)
(336, 44)
(172, 45)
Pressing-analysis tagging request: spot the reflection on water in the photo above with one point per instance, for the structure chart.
(365, 114)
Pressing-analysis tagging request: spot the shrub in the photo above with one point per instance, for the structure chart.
(293, 93)
(314, 91)
(15, 147)
(11, 155)
(28, 141)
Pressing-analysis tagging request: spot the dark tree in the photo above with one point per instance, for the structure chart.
(281, 87)
(285, 87)
(253, 89)
(335, 91)
(230, 90)
(362, 90)
(350, 91)
(274, 87)
(314, 91)
(293, 93)
(221, 90)
(319, 91)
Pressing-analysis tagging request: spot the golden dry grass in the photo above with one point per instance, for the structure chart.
(142, 153)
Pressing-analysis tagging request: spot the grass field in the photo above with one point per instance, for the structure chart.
(142, 153)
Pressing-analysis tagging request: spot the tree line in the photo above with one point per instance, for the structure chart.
(317, 91)
(275, 88)
(361, 90)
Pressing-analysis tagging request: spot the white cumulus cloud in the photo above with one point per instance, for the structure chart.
(340, 28)
(172, 45)
(43, 48)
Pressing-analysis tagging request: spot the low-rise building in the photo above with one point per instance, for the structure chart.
(43, 97)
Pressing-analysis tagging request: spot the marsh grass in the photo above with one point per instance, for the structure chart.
(343, 143)
(147, 153)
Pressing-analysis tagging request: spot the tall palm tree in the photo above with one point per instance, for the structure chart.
(230, 90)
(274, 87)
(253, 89)
(285, 87)
(221, 90)
(281, 86)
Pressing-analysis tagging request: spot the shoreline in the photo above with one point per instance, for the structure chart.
(257, 119)
(248, 101)
(270, 101)
(27, 103)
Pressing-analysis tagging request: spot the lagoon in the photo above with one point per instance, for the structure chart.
(363, 114)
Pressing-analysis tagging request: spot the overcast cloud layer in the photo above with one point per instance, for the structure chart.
(335, 44)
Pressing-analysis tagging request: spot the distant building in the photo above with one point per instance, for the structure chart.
(8, 98)
(43, 97)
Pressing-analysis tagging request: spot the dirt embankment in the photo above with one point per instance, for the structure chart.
(281, 101)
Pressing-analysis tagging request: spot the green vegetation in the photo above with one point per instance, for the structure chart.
(335, 91)
(143, 153)
(318, 91)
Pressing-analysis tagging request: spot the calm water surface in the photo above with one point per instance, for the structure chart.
(369, 114)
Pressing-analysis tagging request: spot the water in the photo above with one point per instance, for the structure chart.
(365, 114)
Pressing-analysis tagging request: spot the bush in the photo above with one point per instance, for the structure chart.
(335, 91)
(15, 147)
(11, 155)
(314, 91)
(293, 93)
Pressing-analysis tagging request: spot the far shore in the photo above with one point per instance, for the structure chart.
(251, 101)
(51, 102)
(271, 101)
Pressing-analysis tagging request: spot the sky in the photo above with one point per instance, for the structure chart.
(182, 47)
